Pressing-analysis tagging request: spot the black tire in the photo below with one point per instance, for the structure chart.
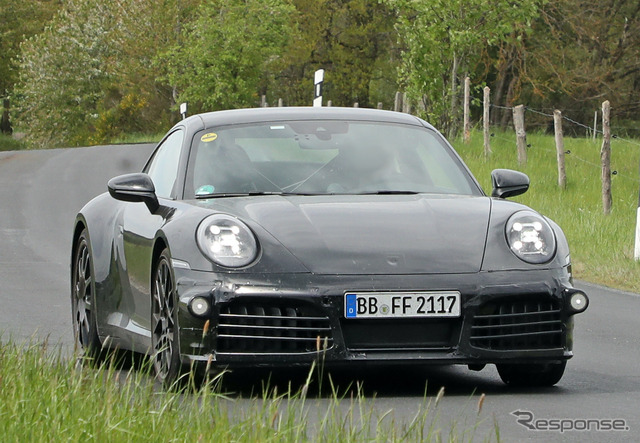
(165, 337)
(531, 375)
(85, 328)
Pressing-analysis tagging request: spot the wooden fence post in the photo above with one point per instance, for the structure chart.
(406, 105)
(595, 125)
(485, 121)
(397, 103)
(466, 127)
(605, 158)
(557, 124)
(521, 135)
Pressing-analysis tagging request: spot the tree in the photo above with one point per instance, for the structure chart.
(18, 20)
(352, 40)
(444, 40)
(89, 76)
(63, 72)
(225, 55)
(141, 100)
(582, 53)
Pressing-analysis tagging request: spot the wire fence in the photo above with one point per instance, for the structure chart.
(608, 138)
(589, 129)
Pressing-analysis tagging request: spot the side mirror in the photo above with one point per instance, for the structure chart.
(508, 183)
(134, 188)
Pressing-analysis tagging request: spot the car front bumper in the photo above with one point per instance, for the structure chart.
(294, 319)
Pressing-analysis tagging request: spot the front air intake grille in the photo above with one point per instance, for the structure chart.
(433, 334)
(507, 324)
(272, 328)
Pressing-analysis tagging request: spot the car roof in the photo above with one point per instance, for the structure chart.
(256, 115)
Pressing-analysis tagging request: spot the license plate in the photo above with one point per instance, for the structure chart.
(401, 304)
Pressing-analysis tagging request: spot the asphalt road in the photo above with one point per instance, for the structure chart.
(41, 191)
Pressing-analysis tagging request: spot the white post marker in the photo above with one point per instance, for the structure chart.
(318, 79)
(183, 110)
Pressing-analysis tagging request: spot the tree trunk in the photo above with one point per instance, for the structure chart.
(499, 89)
(508, 102)
(454, 98)
(5, 123)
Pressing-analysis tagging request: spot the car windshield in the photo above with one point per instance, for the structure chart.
(315, 157)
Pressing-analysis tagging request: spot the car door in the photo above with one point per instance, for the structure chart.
(139, 228)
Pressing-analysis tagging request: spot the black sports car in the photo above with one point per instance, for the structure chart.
(273, 237)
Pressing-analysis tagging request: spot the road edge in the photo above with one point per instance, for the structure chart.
(605, 288)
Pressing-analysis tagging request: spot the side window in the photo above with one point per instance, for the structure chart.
(163, 168)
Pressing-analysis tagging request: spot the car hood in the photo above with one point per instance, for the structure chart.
(372, 234)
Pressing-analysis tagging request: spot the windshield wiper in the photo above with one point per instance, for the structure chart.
(256, 193)
(388, 192)
(238, 194)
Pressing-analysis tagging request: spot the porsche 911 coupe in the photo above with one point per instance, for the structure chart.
(278, 236)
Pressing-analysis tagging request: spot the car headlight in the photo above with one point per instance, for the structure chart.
(227, 241)
(530, 237)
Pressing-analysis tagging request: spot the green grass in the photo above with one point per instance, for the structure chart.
(8, 143)
(49, 398)
(601, 246)
(137, 138)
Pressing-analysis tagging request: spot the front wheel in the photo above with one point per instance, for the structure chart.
(541, 374)
(85, 330)
(164, 323)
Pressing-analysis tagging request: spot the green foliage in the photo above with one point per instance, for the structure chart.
(79, 76)
(64, 72)
(352, 40)
(444, 41)
(122, 117)
(584, 52)
(223, 56)
(19, 20)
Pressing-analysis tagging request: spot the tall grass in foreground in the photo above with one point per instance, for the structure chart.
(49, 398)
(601, 246)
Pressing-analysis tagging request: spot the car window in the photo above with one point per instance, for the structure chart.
(325, 157)
(163, 168)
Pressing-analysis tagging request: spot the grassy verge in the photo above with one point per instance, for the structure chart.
(49, 398)
(137, 138)
(601, 246)
(8, 143)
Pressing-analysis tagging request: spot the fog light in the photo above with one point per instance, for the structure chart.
(579, 301)
(199, 306)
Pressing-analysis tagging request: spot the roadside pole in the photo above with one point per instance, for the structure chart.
(318, 79)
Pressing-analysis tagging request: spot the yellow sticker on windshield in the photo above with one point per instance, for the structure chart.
(211, 136)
